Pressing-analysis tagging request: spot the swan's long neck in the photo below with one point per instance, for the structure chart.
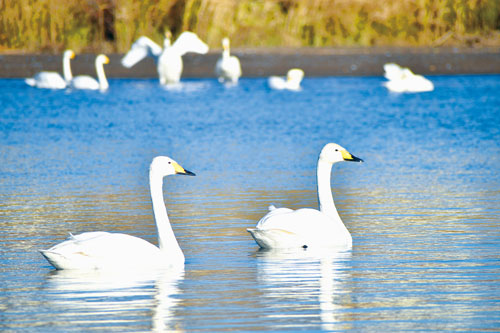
(325, 198)
(166, 238)
(68, 76)
(101, 77)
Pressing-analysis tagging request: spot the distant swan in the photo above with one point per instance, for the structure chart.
(306, 227)
(88, 82)
(104, 250)
(292, 82)
(228, 67)
(402, 79)
(169, 59)
(54, 80)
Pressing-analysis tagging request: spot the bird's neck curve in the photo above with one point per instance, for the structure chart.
(166, 43)
(68, 76)
(101, 77)
(166, 237)
(325, 198)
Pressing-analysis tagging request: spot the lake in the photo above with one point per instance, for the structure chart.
(423, 210)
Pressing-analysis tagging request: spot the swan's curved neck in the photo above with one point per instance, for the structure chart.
(68, 76)
(101, 77)
(166, 237)
(325, 198)
(226, 53)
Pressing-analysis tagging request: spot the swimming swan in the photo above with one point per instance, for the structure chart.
(104, 250)
(292, 82)
(54, 80)
(88, 82)
(307, 227)
(402, 79)
(169, 59)
(228, 67)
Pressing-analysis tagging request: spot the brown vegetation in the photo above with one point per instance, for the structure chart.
(112, 25)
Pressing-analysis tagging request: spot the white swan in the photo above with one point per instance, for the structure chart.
(306, 227)
(104, 250)
(88, 82)
(402, 79)
(292, 81)
(53, 80)
(169, 59)
(228, 67)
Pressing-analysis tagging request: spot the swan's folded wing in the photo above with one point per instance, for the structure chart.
(190, 42)
(51, 80)
(141, 49)
(276, 82)
(275, 238)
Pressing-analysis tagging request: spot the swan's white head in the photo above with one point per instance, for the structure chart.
(69, 54)
(333, 153)
(165, 166)
(225, 43)
(295, 75)
(102, 59)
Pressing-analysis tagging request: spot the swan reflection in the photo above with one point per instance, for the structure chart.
(305, 280)
(116, 299)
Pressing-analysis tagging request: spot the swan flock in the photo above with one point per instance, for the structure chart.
(53, 80)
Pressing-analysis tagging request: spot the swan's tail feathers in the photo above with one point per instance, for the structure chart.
(271, 208)
(53, 258)
(30, 81)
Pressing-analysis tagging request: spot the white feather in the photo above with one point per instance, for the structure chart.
(141, 49)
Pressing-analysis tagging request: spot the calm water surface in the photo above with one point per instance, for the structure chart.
(424, 210)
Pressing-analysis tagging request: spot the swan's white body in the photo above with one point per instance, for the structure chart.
(291, 82)
(88, 82)
(168, 58)
(53, 80)
(228, 67)
(306, 227)
(404, 80)
(104, 250)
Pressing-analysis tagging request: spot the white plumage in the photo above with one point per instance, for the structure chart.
(306, 227)
(168, 58)
(228, 67)
(88, 82)
(291, 82)
(104, 250)
(402, 79)
(53, 80)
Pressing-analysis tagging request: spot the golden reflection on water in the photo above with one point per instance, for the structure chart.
(400, 266)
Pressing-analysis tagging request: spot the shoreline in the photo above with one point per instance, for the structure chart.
(263, 62)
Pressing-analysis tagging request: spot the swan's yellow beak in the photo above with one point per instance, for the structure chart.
(72, 56)
(181, 171)
(106, 60)
(350, 158)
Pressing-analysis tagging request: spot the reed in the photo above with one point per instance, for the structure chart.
(112, 25)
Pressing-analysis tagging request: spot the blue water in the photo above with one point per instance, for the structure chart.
(423, 210)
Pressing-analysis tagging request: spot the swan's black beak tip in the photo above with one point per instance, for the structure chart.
(188, 173)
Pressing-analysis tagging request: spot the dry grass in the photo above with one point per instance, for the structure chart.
(112, 25)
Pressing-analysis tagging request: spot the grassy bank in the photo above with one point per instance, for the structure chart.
(112, 25)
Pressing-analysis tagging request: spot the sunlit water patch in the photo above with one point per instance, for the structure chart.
(423, 209)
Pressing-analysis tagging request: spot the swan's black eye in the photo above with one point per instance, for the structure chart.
(336, 149)
(169, 162)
